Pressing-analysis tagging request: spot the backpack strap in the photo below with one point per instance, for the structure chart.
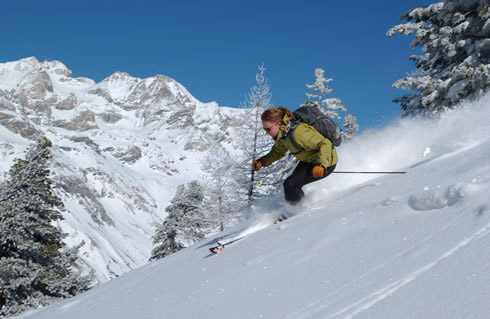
(290, 127)
(289, 132)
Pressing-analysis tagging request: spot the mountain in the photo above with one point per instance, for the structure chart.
(121, 147)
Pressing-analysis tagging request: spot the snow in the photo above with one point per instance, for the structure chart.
(12, 73)
(119, 84)
(392, 246)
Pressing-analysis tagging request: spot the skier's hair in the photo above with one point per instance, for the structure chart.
(276, 114)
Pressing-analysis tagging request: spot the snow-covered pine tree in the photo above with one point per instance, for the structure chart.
(220, 190)
(184, 223)
(330, 106)
(254, 142)
(350, 127)
(455, 38)
(166, 238)
(35, 266)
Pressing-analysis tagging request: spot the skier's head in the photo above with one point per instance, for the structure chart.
(272, 119)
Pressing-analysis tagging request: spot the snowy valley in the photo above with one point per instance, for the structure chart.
(361, 246)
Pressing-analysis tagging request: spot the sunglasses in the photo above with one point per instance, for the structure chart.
(268, 129)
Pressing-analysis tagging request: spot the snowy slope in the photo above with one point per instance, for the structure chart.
(400, 246)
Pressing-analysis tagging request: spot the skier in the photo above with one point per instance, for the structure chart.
(315, 152)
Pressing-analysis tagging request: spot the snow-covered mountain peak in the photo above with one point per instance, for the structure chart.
(12, 73)
(56, 67)
(15, 73)
(119, 76)
(23, 65)
(118, 85)
(47, 93)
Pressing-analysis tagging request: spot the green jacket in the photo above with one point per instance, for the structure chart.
(319, 149)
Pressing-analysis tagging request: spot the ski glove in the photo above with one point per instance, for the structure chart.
(257, 164)
(318, 171)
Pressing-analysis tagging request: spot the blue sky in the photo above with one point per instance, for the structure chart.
(214, 47)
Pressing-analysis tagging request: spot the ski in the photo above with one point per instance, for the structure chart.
(216, 249)
(222, 245)
(281, 218)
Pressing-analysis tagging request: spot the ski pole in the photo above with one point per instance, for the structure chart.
(346, 172)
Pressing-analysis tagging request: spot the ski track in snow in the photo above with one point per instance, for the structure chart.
(378, 296)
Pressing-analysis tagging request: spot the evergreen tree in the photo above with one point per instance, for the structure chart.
(35, 265)
(222, 198)
(254, 142)
(350, 127)
(184, 223)
(330, 106)
(455, 38)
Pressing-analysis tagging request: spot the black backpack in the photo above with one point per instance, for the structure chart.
(323, 124)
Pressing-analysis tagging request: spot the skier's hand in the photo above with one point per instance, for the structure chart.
(318, 171)
(257, 164)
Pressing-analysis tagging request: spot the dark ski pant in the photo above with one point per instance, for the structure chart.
(301, 176)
